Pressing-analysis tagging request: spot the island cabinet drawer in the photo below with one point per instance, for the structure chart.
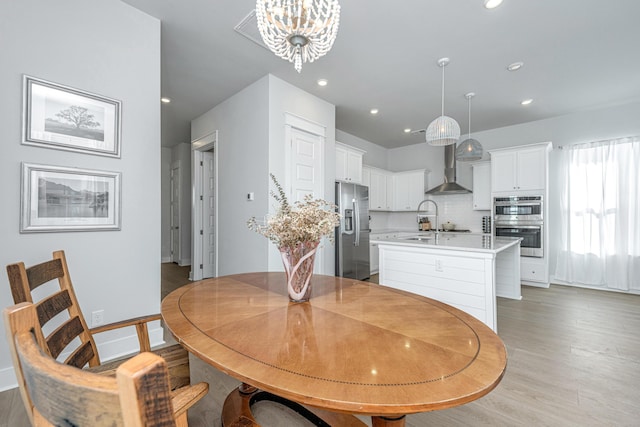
(454, 267)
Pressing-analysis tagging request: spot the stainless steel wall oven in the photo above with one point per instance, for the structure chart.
(521, 216)
(518, 208)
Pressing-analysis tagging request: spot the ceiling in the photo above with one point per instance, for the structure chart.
(577, 54)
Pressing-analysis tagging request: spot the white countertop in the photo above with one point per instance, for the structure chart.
(450, 241)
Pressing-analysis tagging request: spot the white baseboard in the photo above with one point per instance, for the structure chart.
(165, 259)
(8, 379)
(536, 284)
(123, 346)
(108, 350)
(184, 262)
(557, 281)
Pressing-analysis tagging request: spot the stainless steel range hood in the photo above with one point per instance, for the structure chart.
(449, 186)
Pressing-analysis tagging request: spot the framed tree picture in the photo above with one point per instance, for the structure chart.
(64, 118)
(56, 198)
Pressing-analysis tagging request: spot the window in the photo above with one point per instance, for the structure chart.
(600, 214)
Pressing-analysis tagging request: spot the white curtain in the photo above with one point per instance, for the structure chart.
(600, 214)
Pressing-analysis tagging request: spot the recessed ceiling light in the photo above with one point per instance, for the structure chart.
(374, 111)
(515, 66)
(407, 130)
(490, 4)
(165, 100)
(527, 101)
(323, 82)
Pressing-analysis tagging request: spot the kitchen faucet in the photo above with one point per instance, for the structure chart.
(418, 212)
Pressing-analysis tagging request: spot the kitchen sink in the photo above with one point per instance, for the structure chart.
(417, 238)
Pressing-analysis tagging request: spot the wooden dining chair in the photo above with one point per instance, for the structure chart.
(56, 394)
(73, 336)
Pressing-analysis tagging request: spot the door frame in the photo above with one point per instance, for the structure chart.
(198, 147)
(175, 204)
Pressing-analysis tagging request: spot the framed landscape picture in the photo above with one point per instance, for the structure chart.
(64, 118)
(56, 198)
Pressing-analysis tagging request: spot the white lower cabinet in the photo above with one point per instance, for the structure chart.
(534, 271)
(374, 251)
(374, 261)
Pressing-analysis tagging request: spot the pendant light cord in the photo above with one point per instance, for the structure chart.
(469, 130)
(442, 111)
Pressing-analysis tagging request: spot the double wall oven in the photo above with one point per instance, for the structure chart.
(521, 216)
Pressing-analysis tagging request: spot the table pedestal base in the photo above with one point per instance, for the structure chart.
(236, 411)
(388, 421)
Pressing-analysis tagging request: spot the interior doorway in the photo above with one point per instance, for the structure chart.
(204, 208)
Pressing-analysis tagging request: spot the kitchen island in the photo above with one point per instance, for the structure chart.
(465, 271)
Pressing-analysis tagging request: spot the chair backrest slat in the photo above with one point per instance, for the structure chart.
(53, 305)
(62, 336)
(44, 272)
(81, 356)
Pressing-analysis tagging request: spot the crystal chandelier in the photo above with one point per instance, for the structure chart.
(444, 130)
(298, 30)
(469, 149)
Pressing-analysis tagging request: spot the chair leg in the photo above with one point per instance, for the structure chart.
(181, 420)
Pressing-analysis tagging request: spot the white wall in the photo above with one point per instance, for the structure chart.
(165, 203)
(375, 155)
(242, 122)
(115, 51)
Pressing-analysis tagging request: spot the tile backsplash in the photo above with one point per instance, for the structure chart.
(456, 208)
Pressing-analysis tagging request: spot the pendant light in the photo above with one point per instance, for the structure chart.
(298, 30)
(443, 130)
(469, 149)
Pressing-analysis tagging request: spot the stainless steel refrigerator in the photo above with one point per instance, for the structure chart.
(352, 236)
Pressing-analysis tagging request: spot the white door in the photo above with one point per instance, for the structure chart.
(175, 214)
(306, 165)
(306, 172)
(208, 215)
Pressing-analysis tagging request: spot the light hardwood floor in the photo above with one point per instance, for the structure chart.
(574, 360)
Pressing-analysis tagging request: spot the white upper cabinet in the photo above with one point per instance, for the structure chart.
(348, 163)
(408, 190)
(519, 169)
(380, 191)
(400, 191)
(481, 186)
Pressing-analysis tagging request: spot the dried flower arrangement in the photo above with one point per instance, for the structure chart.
(297, 231)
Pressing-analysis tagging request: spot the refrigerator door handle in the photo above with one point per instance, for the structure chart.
(356, 222)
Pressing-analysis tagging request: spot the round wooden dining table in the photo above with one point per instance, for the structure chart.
(353, 348)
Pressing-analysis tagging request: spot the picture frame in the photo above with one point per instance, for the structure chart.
(64, 118)
(57, 198)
